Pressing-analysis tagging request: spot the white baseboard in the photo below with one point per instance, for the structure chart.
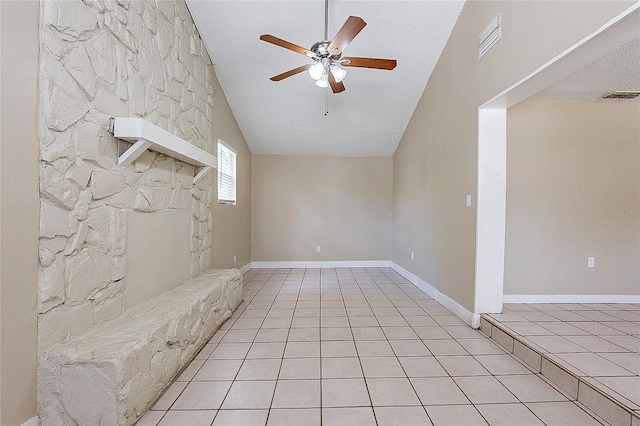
(457, 309)
(245, 268)
(415, 280)
(571, 298)
(323, 264)
(33, 421)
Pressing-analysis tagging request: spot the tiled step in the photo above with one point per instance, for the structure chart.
(611, 407)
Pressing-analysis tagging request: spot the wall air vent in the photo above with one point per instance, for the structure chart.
(622, 94)
(490, 35)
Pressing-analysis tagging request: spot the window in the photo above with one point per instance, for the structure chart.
(226, 174)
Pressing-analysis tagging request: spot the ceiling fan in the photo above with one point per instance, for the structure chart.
(328, 67)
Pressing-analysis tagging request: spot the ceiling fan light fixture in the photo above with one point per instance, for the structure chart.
(327, 71)
(316, 70)
(323, 81)
(338, 72)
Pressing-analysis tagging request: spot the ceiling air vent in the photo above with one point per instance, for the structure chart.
(622, 94)
(490, 35)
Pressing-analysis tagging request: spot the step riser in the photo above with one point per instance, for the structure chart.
(578, 388)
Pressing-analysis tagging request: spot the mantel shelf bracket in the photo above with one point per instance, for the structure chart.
(134, 151)
(145, 135)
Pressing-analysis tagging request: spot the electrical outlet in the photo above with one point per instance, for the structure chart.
(591, 262)
(234, 259)
(317, 249)
(468, 200)
(411, 255)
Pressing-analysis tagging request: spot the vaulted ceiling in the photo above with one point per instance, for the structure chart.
(287, 117)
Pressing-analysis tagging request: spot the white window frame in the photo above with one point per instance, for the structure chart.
(231, 175)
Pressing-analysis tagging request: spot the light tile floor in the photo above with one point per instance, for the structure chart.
(597, 341)
(354, 347)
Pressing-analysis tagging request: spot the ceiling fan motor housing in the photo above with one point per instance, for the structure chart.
(321, 49)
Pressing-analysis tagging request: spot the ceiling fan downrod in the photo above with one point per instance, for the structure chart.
(326, 20)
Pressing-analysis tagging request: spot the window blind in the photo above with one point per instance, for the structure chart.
(226, 174)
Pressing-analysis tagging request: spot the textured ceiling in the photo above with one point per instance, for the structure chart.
(618, 70)
(287, 117)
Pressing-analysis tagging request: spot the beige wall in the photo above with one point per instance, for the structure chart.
(231, 224)
(19, 210)
(435, 165)
(572, 168)
(157, 261)
(342, 204)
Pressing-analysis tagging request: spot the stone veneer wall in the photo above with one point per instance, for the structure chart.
(101, 59)
(114, 373)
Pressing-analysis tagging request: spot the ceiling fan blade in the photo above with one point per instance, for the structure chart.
(283, 43)
(381, 64)
(348, 32)
(335, 86)
(290, 73)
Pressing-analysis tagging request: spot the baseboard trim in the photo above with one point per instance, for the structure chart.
(245, 268)
(415, 280)
(323, 264)
(570, 298)
(457, 309)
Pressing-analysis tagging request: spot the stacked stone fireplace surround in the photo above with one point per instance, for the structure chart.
(101, 59)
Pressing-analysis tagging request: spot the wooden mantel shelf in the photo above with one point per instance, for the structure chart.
(145, 135)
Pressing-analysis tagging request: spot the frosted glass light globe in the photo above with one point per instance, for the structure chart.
(338, 72)
(316, 70)
(323, 81)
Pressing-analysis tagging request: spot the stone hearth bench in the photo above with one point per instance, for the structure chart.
(112, 374)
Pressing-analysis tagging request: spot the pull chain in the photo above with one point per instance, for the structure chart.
(326, 102)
